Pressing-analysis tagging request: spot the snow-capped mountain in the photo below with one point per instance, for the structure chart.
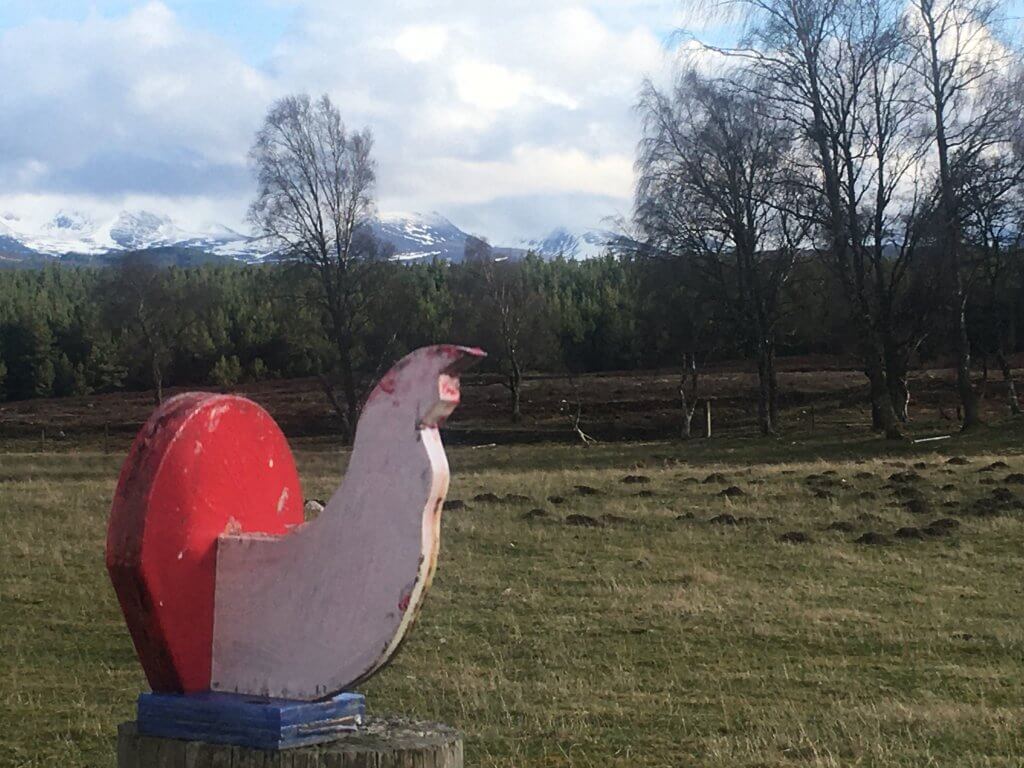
(77, 236)
(71, 231)
(413, 237)
(74, 233)
(419, 237)
(10, 242)
(585, 244)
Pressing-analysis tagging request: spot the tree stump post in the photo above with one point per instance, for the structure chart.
(381, 743)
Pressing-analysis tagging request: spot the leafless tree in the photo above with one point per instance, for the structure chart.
(712, 168)
(681, 315)
(509, 316)
(574, 410)
(964, 68)
(315, 200)
(838, 73)
(689, 391)
(994, 235)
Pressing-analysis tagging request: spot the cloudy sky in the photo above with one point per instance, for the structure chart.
(510, 117)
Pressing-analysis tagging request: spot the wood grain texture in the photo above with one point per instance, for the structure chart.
(383, 743)
(319, 610)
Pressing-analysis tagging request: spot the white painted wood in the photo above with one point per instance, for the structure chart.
(309, 614)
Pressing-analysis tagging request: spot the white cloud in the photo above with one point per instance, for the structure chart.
(198, 212)
(421, 43)
(484, 85)
(527, 170)
(472, 103)
(140, 84)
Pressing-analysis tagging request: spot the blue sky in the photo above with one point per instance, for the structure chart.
(511, 117)
(255, 26)
(250, 26)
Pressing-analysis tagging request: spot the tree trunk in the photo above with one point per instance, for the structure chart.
(899, 390)
(765, 364)
(965, 388)
(348, 415)
(688, 401)
(158, 381)
(339, 409)
(773, 384)
(883, 416)
(348, 411)
(896, 363)
(577, 415)
(515, 382)
(686, 428)
(949, 210)
(348, 389)
(1011, 385)
(899, 393)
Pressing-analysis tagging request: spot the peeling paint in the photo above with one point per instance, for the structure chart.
(213, 419)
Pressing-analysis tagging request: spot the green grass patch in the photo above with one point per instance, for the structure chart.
(648, 640)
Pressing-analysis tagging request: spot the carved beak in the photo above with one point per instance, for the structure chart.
(449, 391)
(465, 358)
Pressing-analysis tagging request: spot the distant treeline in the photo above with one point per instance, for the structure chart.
(850, 182)
(74, 331)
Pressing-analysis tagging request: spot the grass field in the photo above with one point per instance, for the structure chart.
(655, 638)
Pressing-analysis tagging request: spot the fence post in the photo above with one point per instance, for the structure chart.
(381, 744)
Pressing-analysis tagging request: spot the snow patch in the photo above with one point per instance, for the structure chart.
(410, 237)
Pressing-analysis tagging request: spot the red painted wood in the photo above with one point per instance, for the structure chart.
(203, 465)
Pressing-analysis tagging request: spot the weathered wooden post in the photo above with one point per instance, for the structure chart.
(375, 744)
(253, 626)
(707, 418)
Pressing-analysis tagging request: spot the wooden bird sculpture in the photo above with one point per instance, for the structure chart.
(223, 585)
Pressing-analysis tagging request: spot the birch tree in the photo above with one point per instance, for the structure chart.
(835, 71)
(508, 314)
(964, 73)
(314, 200)
(712, 170)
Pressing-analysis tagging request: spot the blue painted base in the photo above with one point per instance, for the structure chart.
(248, 721)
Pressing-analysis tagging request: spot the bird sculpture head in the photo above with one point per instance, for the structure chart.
(424, 384)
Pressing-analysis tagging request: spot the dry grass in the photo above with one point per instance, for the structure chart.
(650, 641)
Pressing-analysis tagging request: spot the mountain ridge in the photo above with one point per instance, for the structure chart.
(75, 237)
